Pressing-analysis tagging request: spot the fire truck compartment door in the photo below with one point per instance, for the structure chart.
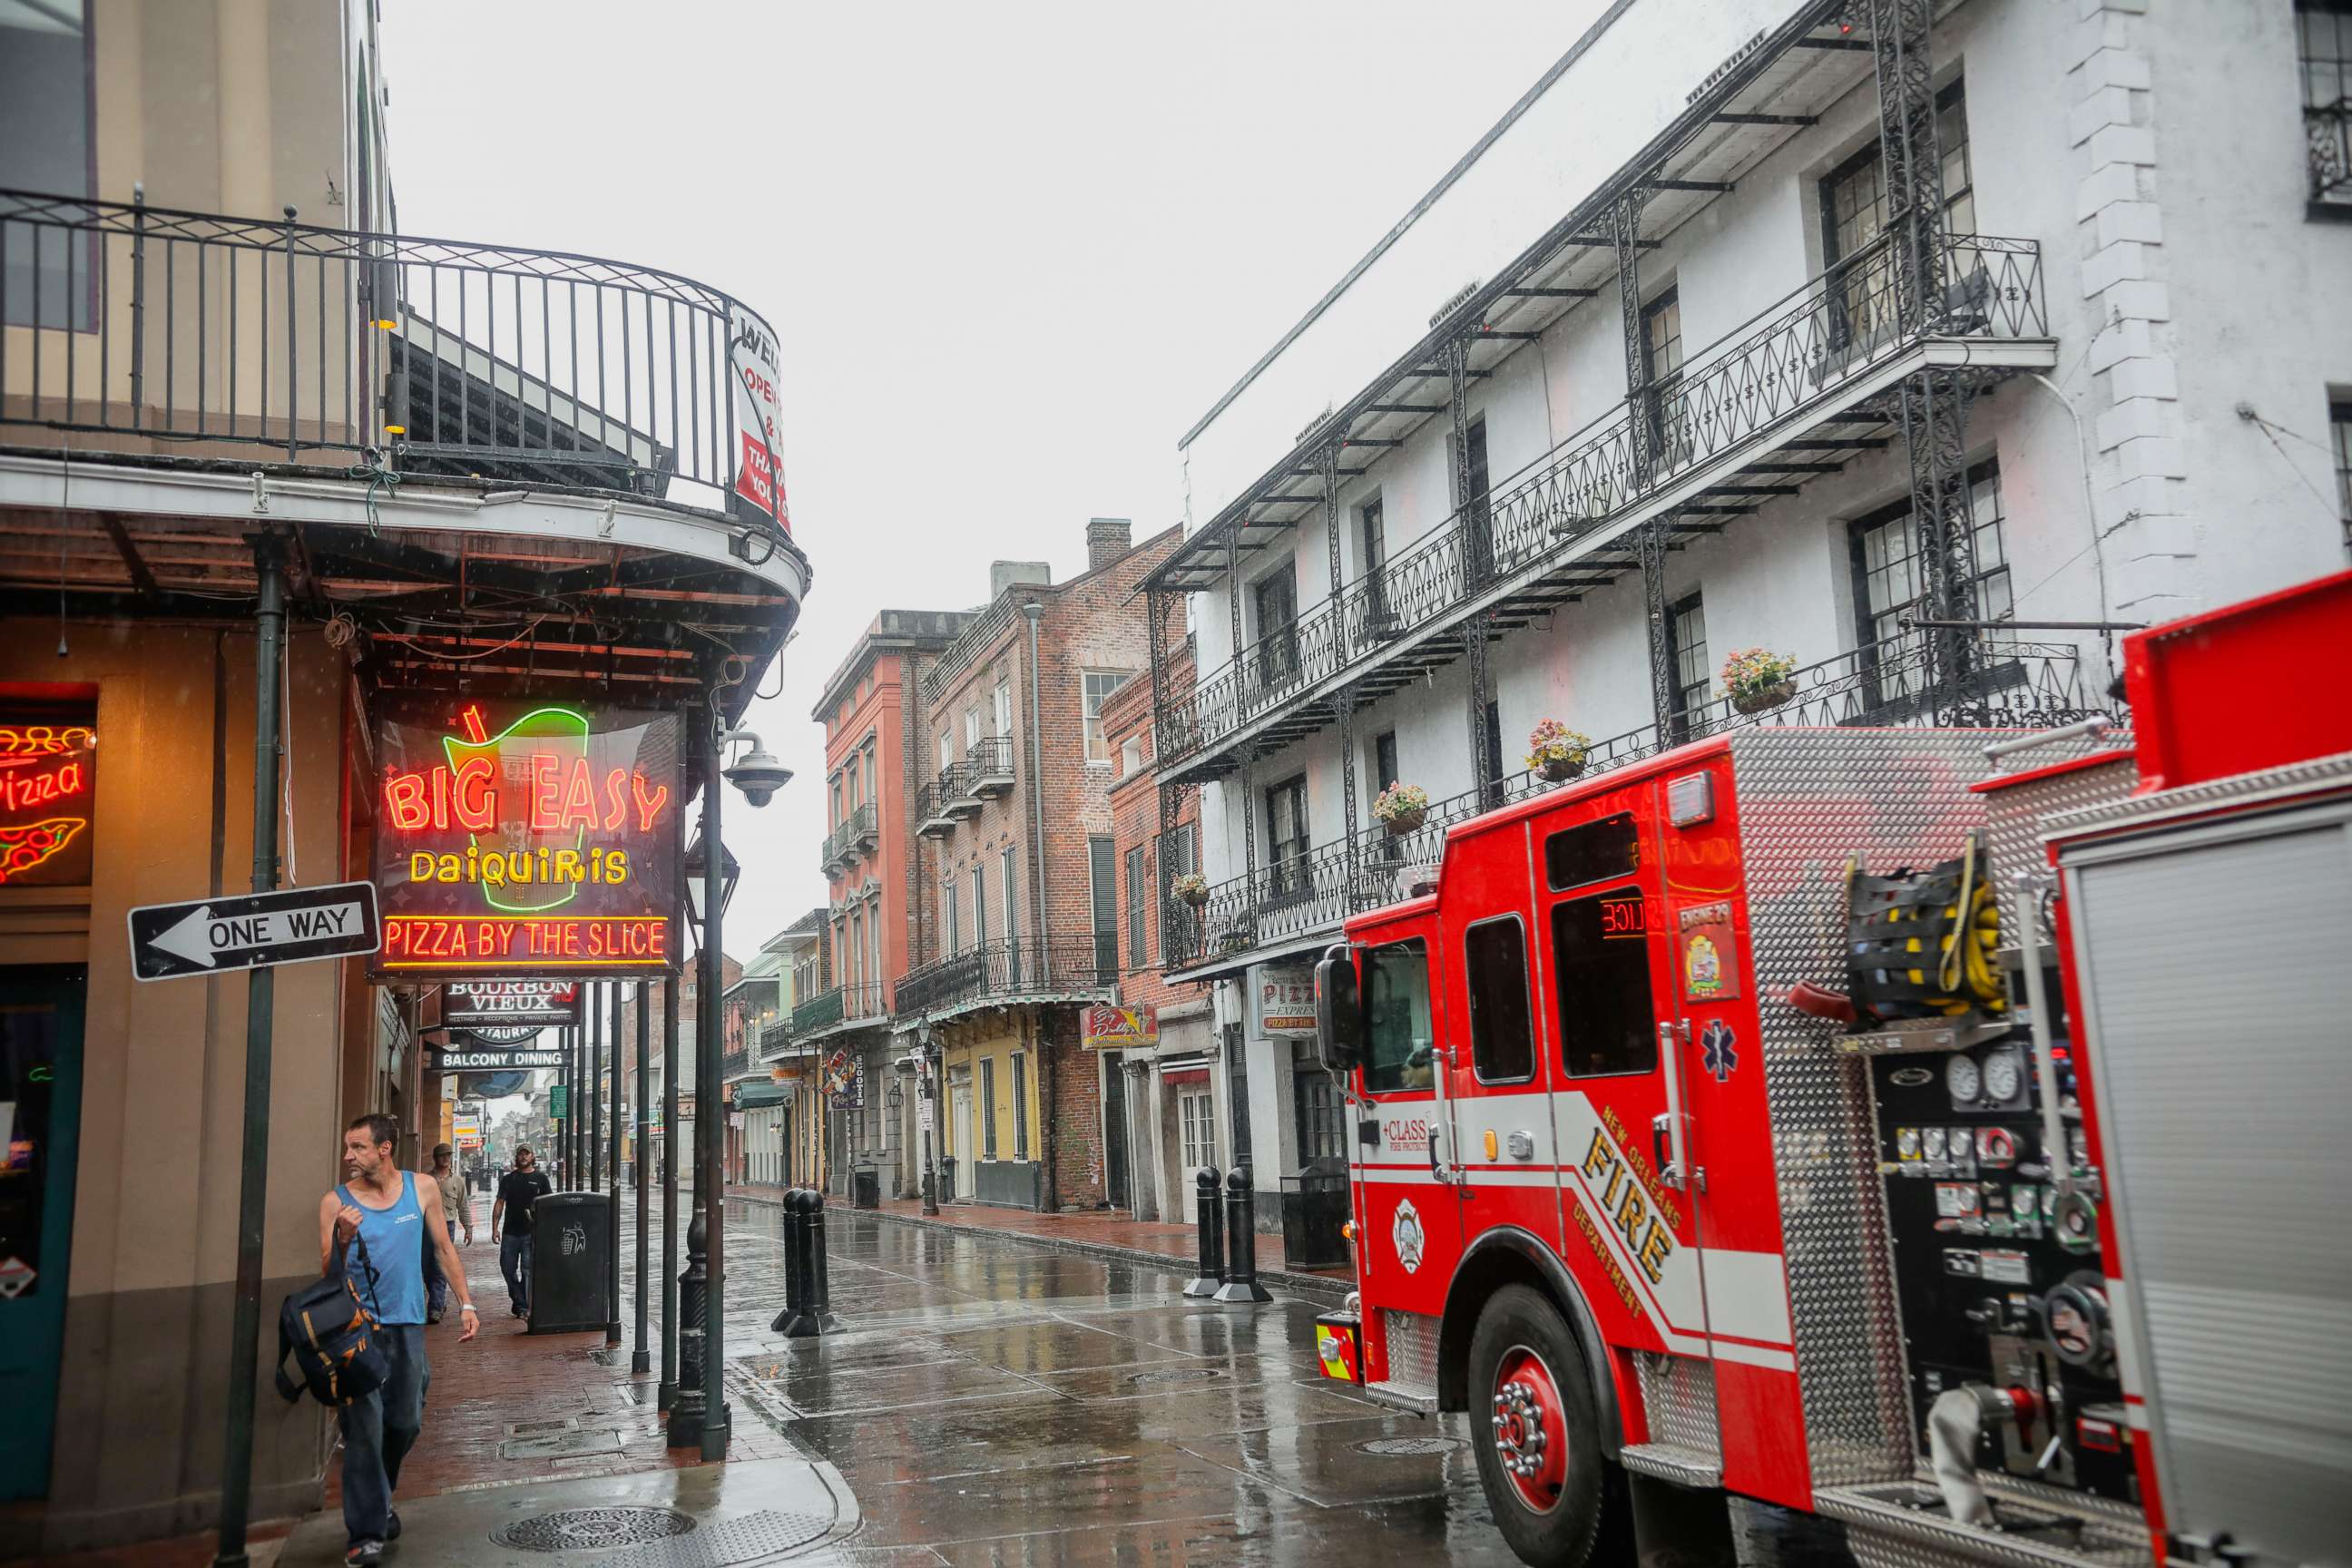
(2212, 961)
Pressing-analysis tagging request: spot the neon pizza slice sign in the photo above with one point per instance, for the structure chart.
(48, 786)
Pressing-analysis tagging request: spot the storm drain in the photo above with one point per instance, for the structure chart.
(1407, 1446)
(1182, 1375)
(593, 1529)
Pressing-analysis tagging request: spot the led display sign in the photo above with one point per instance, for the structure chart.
(528, 840)
(48, 788)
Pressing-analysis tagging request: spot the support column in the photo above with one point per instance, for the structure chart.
(612, 1167)
(1470, 514)
(1344, 696)
(1935, 437)
(260, 1021)
(1644, 438)
(709, 1115)
(592, 1127)
(640, 1358)
(668, 1393)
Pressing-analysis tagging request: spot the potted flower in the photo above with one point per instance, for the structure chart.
(1403, 807)
(1556, 751)
(1192, 888)
(1757, 679)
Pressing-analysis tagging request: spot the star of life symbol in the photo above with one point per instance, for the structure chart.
(1715, 1050)
(1408, 1235)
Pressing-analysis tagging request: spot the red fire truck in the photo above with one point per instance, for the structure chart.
(1931, 1130)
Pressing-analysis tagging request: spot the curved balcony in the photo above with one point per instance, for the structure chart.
(2022, 684)
(204, 335)
(837, 1006)
(1008, 970)
(1548, 530)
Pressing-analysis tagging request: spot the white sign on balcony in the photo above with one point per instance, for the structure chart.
(760, 463)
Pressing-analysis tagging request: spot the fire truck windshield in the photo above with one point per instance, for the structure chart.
(1397, 1033)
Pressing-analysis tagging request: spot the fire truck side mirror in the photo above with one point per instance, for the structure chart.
(1339, 1011)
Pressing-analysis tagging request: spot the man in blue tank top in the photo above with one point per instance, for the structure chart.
(394, 1214)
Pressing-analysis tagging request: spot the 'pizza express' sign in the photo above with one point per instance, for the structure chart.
(526, 838)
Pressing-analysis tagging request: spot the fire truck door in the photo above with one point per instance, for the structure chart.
(1499, 1082)
(1413, 1227)
(1629, 1228)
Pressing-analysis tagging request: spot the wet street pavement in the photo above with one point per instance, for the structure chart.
(996, 1402)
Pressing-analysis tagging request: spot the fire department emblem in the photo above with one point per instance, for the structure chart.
(1715, 1050)
(1408, 1235)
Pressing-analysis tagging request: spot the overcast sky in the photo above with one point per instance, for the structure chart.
(1012, 251)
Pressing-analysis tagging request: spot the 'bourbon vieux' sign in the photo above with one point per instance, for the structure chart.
(527, 839)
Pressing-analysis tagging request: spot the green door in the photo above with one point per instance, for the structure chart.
(41, 1112)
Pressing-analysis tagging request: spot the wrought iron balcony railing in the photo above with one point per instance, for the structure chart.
(775, 1039)
(841, 1004)
(2022, 685)
(988, 765)
(229, 336)
(834, 853)
(1793, 359)
(1009, 970)
(2327, 132)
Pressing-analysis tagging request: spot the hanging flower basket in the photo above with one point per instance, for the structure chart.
(1764, 698)
(1193, 889)
(1759, 680)
(1556, 751)
(1401, 809)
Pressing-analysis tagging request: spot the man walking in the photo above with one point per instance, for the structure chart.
(385, 1210)
(519, 1189)
(457, 1210)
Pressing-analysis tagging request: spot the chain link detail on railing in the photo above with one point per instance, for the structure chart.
(2022, 685)
(1009, 968)
(447, 357)
(1793, 359)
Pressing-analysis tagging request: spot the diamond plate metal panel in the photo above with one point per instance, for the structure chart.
(1412, 1349)
(1808, 800)
(1904, 1527)
(2013, 816)
(1678, 1395)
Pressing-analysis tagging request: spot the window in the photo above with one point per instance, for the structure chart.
(1889, 578)
(980, 905)
(2324, 49)
(849, 771)
(1495, 772)
(1397, 1033)
(1502, 1029)
(874, 962)
(1020, 1106)
(971, 729)
(947, 750)
(2339, 430)
(988, 1108)
(1130, 756)
(1662, 364)
(1476, 516)
(1097, 685)
(1004, 876)
(1854, 214)
(1384, 761)
(1196, 1113)
(1137, 892)
(1275, 597)
(1321, 1135)
(1285, 837)
(1597, 850)
(1372, 530)
(1687, 632)
(1102, 867)
(857, 949)
(1600, 954)
(837, 818)
(1004, 706)
(46, 144)
(948, 913)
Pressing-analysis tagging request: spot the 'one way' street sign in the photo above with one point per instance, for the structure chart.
(211, 936)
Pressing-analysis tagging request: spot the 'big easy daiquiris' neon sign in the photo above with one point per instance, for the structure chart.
(516, 838)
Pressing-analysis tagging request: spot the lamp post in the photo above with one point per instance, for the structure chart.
(929, 1111)
(699, 1413)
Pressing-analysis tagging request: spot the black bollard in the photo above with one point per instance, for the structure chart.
(1213, 1246)
(795, 1267)
(685, 1411)
(818, 1317)
(1241, 1287)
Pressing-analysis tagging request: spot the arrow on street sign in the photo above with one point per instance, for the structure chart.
(214, 936)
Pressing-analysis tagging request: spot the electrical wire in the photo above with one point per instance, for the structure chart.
(2270, 433)
(464, 657)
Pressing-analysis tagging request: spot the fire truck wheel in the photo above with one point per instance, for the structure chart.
(1539, 1456)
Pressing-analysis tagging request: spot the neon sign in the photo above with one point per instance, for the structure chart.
(49, 784)
(518, 838)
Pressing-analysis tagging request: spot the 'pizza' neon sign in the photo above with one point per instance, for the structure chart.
(49, 789)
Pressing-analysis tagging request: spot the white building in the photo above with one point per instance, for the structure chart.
(1701, 377)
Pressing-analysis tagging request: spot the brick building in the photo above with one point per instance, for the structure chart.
(874, 737)
(1162, 1106)
(1015, 805)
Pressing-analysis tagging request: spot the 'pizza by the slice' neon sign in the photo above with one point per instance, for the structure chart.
(47, 786)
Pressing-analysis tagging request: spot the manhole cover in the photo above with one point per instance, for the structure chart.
(592, 1529)
(1184, 1375)
(748, 1538)
(1409, 1446)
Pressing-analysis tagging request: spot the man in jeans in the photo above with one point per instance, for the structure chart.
(371, 1228)
(457, 1209)
(519, 1189)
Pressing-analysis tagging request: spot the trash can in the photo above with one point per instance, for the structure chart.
(571, 1253)
(1314, 1215)
(865, 1188)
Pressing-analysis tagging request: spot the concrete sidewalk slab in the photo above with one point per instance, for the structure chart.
(708, 1516)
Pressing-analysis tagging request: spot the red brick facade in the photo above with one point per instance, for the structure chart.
(1136, 827)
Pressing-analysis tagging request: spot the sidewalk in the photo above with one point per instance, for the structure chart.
(1108, 1234)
